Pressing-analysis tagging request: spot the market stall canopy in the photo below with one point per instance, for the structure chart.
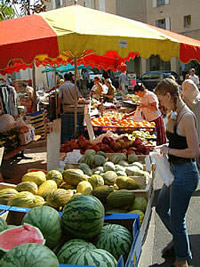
(66, 68)
(79, 31)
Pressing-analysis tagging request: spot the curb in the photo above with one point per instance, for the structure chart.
(146, 258)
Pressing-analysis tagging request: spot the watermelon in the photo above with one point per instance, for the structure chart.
(30, 254)
(16, 236)
(48, 221)
(93, 257)
(83, 216)
(70, 248)
(3, 224)
(115, 239)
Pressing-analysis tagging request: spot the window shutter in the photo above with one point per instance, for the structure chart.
(168, 23)
(54, 4)
(88, 3)
(154, 3)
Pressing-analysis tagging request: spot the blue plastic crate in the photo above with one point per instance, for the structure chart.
(130, 221)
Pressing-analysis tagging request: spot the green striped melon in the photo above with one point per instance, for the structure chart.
(93, 257)
(55, 176)
(115, 239)
(3, 224)
(48, 220)
(83, 216)
(29, 254)
(71, 248)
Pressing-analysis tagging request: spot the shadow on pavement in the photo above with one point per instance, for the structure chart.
(195, 248)
(196, 193)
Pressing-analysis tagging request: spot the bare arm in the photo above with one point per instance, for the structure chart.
(150, 106)
(189, 128)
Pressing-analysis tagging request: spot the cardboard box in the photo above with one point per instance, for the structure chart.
(130, 221)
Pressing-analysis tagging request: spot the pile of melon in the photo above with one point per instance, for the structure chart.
(114, 182)
(79, 237)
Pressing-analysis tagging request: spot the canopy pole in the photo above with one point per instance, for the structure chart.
(55, 94)
(34, 87)
(76, 98)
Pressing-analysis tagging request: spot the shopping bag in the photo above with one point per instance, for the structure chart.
(162, 167)
(138, 115)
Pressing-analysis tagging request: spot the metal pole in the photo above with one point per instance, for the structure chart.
(34, 87)
(55, 94)
(76, 98)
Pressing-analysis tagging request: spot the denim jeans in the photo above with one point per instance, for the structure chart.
(172, 205)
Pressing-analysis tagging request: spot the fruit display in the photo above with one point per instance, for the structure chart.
(111, 180)
(115, 239)
(134, 98)
(85, 215)
(121, 144)
(81, 253)
(48, 221)
(30, 254)
(116, 120)
(84, 193)
(10, 238)
(144, 135)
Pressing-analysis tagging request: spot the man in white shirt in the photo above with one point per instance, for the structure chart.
(194, 77)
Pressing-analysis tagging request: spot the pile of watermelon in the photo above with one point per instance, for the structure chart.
(88, 240)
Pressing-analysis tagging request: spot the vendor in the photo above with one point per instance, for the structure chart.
(149, 105)
(98, 88)
(30, 92)
(67, 98)
(110, 95)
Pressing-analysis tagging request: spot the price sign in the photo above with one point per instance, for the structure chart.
(131, 80)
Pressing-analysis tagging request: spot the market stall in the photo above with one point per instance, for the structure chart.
(121, 192)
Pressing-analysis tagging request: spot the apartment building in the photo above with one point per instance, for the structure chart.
(179, 16)
(102, 5)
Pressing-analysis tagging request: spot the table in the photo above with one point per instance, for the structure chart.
(20, 150)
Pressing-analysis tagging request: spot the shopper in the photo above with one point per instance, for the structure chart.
(194, 77)
(66, 98)
(98, 88)
(183, 148)
(150, 111)
(191, 96)
(110, 95)
(123, 79)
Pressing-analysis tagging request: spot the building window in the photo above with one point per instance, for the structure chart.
(187, 21)
(58, 3)
(161, 23)
(157, 3)
(160, 2)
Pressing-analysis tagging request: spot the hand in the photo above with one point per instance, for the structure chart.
(124, 117)
(164, 149)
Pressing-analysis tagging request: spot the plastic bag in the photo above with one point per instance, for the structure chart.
(7, 122)
(19, 123)
(138, 115)
(162, 167)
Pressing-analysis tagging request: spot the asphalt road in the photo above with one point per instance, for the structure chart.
(158, 237)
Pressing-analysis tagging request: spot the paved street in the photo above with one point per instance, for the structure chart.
(158, 237)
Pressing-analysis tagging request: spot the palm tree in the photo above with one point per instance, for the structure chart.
(18, 8)
(6, 10)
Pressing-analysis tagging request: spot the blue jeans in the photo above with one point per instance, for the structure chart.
(172, 205)
(67, 126)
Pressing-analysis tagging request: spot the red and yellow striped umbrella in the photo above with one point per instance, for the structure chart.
(75, 32)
